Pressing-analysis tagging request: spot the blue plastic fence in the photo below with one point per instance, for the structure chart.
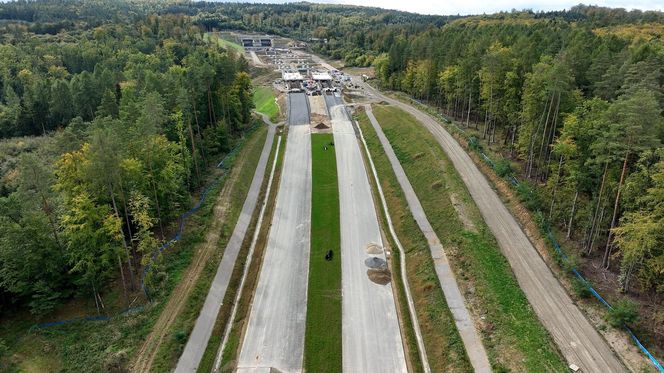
(183, 218)
(578, 275)
(178, 235)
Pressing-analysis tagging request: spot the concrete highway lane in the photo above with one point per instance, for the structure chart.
(298, 109)
(198, 340)
(370, 328)
(274, 336)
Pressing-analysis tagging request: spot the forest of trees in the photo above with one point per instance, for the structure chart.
(110, 115)
(580, 109)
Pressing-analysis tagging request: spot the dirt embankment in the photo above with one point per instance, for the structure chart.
(178, 298)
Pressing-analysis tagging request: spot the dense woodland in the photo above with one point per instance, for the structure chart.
(579, 105)
(112, 115)
(125, 105)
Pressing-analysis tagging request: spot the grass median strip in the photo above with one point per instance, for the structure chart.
(511, 332)
(322, 350)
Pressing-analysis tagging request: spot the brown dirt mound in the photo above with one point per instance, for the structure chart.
(379, 276)
(321, 126)
(374, 249)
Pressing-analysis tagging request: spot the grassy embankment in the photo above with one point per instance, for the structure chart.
(265, 103)
(322, 347)
(230, 353)
(108, 345)
(210, 354)
(171, 349)
(514, 338)
(223, 42)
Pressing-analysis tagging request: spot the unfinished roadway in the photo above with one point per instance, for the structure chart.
(455, 301)
(371, 337)
(198, 340)
(274, 338)
(578, 341)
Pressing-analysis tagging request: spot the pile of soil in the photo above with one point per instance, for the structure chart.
(374, 249)
(321, 126)
(380, 276)
(375, 263)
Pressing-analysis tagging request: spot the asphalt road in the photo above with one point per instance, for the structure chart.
(371, 336)
(298, 109)
(198, 340)
(455, 301)
(579, 342)
(274, 336)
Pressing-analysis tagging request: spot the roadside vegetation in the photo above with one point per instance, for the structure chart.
(111, 344)
(170, 349)
(265, 102)
(322, 347)
(512, 334)
(113, 130)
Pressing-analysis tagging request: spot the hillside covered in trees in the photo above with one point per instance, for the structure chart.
(111, 115)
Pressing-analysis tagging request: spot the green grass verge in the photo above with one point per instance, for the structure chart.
(223, 42)
(171, 348)
(445, 350)
(265, 103)
(511, 332)
(322, 346)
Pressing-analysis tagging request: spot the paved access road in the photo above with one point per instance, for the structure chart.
(197, 343)
(579, 342)
(298, 109)
(455, 301)
(274, 336)
(370, 327)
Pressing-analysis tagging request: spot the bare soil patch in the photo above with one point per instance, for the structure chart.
(374, 249)
(462, 212)
(178, 298)
(381, 276)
